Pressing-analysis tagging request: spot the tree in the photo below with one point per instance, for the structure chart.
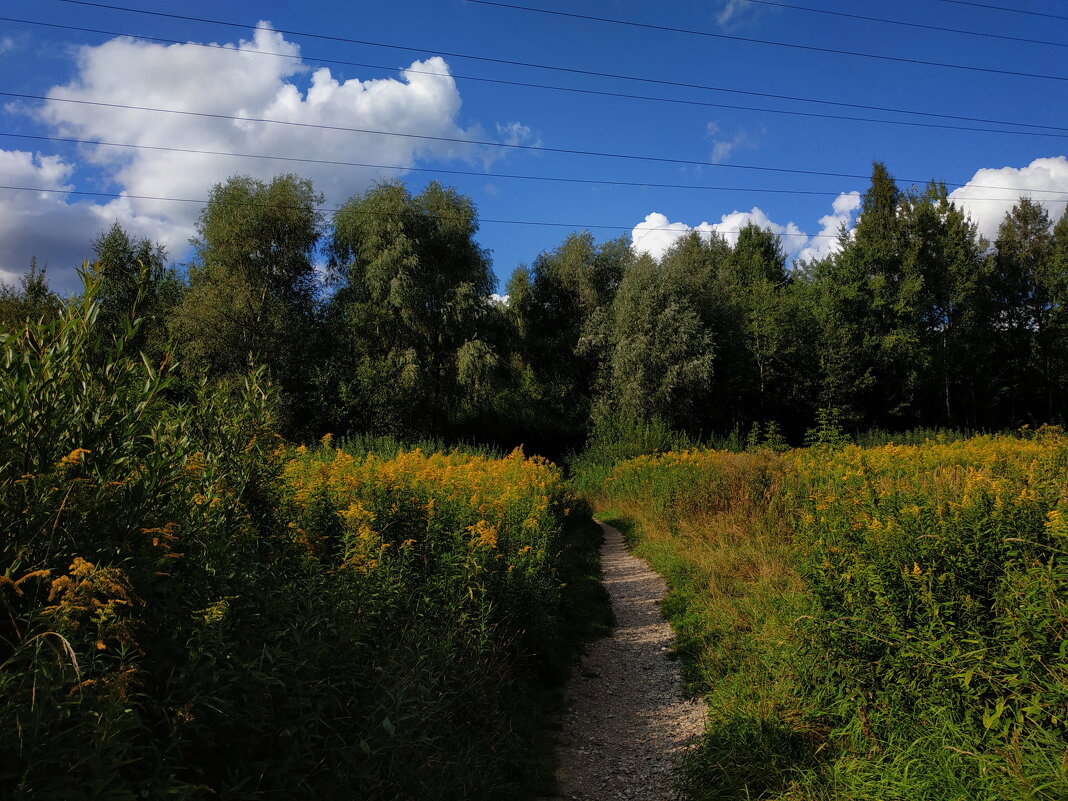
(411, 314)
(944, 294)
(662, 337)
(561, 310)
(867, 345)
(1029, 297)
(253, 287)
(31, 300)
(135, 282)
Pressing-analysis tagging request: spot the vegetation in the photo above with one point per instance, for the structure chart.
(194, 608)
(229, 572)
(883, 622)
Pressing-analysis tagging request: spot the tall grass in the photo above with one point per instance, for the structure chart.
(867, 622)
(191, 608)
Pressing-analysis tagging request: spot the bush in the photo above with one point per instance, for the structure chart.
(193, 610)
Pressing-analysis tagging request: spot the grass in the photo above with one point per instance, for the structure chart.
(733, 594)
(865, 623)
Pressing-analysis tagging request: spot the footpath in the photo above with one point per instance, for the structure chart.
(627, 721)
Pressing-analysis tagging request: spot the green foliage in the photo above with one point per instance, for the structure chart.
(882, 622)
(31, 300)
(252, 291)
(828, 430)
(933, 571)
(177, 622)
(135, 284)
(561, 312)
(411, 316)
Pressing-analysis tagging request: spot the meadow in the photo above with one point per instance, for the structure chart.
(866, 622)
(193, 607)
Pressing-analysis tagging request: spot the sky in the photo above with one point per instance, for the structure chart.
(619, 117)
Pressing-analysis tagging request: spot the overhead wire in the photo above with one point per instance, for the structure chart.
(1005, 8)
(435, 170)
(550, 67)
(902, 23)
(480, 220)
(459, 140)
(769, 42)
(597, 92)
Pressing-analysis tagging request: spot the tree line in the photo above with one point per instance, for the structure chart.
(380, 319)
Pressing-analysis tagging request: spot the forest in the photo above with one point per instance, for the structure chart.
(380, 320)
(310, 516)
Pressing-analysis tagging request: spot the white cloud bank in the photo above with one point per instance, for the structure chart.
(656, 234)
(986, 198)
(253, 78)
(991, 193)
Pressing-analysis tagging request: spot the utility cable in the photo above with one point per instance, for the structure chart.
(458, 140)
(480, 220)
(434, 170)
(601, 93)
(770, 42)
(568, 70)
(1004, 8)
(902, 23)
(468, 173)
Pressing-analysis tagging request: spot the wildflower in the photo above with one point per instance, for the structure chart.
(74, 457)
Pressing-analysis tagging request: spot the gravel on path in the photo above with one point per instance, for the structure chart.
(627, 720)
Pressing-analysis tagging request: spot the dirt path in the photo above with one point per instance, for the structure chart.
(627, 720)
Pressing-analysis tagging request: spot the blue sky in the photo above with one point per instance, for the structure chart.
(425, 85)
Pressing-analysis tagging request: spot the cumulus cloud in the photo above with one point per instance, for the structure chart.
(656, 234)
(991, 193)
(826, 242)
(47, 225)
(252, 78)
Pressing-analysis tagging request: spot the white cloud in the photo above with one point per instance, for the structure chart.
(826, 242)
(731, 224)
(501, 300)
(656, 234)
(242, 79)
(515, 133)
(991, 193)
(732, 9)
(47, 225)
(722, 147)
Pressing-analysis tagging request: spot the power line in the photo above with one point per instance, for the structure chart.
(597, 92)
(469, 173)
(458, 140)
(1004, 8)
(907, 24)
(568, 70)
(480, 220)
(770, 42)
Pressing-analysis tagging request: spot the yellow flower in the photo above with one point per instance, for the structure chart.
(74, 457)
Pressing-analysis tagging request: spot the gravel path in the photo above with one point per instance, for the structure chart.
(627, 719)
